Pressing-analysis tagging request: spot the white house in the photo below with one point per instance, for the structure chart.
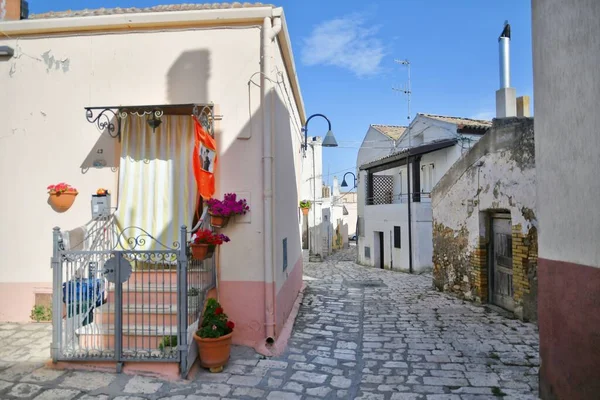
(233, 61)
(380, 141)
(430, 145)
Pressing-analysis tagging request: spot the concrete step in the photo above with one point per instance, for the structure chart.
(135, 337)
(151, 293)
(146, 314)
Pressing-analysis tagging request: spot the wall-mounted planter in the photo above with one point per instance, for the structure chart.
(202, 251)
(218, 221)
(61, 202)
(305, 211)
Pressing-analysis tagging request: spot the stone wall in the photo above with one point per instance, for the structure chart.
(496, 175)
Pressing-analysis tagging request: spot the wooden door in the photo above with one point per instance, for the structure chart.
(501, 263)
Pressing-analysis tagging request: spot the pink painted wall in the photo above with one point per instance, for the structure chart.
(17, 299)
(287, 295)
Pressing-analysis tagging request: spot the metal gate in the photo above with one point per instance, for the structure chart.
(114, 300)
(501, 262)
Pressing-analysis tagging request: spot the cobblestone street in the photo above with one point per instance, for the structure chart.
(361, 333)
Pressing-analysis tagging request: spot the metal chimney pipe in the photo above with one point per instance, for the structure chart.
(504, 47)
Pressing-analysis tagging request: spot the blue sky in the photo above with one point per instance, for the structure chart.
(345, 52)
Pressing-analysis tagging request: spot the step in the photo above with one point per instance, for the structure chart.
(152, 293)
(146, 314)
(135, 337)
(169, 277)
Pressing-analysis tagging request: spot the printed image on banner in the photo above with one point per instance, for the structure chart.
(207, 158)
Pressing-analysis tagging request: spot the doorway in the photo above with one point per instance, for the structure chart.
(378, 249)
(501, 266)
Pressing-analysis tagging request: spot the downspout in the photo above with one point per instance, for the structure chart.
(410, 258)
(269, 31)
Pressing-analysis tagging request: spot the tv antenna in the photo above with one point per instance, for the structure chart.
(406, 88)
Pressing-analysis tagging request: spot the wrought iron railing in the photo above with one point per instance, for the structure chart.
(121, 295)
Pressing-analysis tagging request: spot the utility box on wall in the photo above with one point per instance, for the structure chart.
(100, 206)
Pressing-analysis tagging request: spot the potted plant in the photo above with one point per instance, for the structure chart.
(214, 337)
(305, 206)
(193, 300)
(62, 196)
(204, 241)
(168, 344)
(221, 210)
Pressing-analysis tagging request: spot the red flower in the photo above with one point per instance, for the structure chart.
(218, 311)
(230, 325)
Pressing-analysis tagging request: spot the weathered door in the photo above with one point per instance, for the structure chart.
(501, 262)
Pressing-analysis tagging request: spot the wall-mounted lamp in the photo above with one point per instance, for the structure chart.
(6, 51)
(328, 141)
(345, 184)
(154, 121)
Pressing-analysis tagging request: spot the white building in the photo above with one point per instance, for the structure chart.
(430, 145)
(174, 58)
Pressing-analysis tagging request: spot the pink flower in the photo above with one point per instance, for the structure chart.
(214, 327)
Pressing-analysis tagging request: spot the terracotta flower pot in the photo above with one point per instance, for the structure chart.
(305, 211)
(202, 251)
(61, 202)
(218, 221)
(213, 353)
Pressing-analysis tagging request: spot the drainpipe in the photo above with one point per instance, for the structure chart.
(269, 31)
(408, 172)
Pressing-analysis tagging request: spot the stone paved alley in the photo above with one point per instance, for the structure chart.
(361, 333)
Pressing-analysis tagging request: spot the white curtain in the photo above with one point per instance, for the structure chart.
(157, 186)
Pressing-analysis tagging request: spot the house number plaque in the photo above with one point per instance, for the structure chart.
(117, 269)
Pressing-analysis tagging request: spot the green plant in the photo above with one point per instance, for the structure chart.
(214, 321)
(305, 204)
(168, 341)
(41, 313)
(496, 391)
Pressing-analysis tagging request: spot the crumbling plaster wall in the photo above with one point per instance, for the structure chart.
(498, 174)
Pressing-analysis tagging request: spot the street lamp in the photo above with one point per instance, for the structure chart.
(345, 184)
(328, 141)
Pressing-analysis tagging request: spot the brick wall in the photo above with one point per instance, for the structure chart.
(479, 270)
(524, 248)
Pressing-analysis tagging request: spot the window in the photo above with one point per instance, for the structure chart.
(367, 252)
(427, 177)
(397, 238)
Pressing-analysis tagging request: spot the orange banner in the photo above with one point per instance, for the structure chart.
(205, 161)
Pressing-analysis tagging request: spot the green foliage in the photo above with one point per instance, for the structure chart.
(496, 391)
(214, 321)
(305, 204)
(41, 313)
(168, 341)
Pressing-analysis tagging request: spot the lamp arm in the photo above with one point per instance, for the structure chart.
(305, 129)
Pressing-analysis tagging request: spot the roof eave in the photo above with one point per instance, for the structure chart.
(472, 129)
(415, 151)
(131, 21)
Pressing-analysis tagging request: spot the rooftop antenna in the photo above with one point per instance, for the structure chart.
(406, 89)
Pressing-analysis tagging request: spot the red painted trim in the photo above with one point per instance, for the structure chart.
(569, 323)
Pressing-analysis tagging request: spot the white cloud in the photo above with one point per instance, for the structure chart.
(345, 42)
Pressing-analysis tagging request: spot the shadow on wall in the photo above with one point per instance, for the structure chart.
(104, 153)
(250, 321)
(187, 79)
